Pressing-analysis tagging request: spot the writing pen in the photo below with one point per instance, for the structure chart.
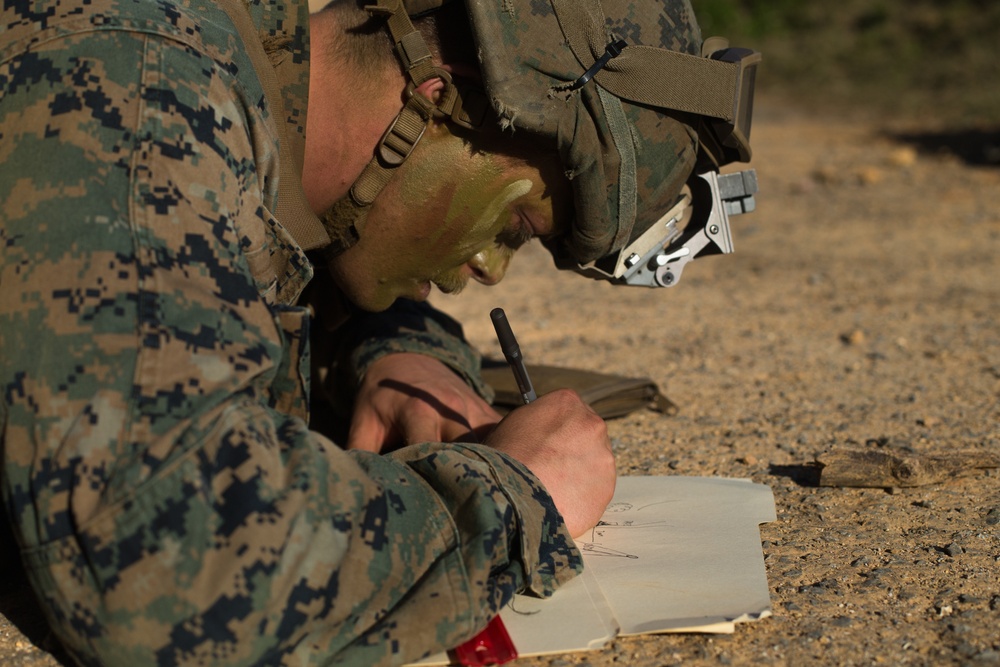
(512, 353)
(493, 646)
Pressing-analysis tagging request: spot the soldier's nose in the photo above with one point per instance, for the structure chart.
(489, 265)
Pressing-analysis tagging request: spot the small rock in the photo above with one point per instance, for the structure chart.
(954, 549)
(842, 622)
(854, 338)
(861, 562)
(943, 609)
(903, 157)
(826, 175)
(966, 649)
(993, 517)
(870, 175)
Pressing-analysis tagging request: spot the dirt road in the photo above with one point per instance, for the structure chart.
(860, 309)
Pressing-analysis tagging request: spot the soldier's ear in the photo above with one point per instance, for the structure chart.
(431, 89)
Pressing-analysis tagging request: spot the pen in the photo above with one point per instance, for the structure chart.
(493, 646)
(512, 353)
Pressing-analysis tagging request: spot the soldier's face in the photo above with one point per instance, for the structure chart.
(456, 211)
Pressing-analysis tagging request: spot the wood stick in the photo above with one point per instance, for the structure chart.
(882, 468)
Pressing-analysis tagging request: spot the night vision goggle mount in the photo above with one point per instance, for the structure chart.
(698, 223)
(696, 226)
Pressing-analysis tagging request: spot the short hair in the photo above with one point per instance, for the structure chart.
(367, 45)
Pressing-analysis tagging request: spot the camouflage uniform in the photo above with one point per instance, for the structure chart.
(171, 504)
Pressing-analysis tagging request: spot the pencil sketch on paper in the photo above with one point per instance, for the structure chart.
(609, 523)
(593, 549)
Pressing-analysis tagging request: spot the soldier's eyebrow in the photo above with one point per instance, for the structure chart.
(515, 236)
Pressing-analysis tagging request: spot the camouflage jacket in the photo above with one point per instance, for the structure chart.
(170, 501)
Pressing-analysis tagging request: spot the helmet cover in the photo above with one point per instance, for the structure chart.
(627, 162)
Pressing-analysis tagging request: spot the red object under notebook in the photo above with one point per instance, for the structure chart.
(492, 646)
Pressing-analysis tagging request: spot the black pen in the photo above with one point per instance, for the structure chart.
(512, 353)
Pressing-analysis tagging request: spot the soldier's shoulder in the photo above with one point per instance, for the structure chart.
(200, 25)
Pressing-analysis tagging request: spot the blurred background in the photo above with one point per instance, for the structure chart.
(915, 60)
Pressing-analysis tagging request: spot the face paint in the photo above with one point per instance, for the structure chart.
(448, 215)
(488, 263)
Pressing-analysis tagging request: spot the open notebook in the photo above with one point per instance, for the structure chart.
(671, 554)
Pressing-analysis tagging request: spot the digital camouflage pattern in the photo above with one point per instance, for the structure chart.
(627, 162)
(603, 142)
(171, 504)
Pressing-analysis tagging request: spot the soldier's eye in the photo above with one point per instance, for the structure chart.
(515, 236)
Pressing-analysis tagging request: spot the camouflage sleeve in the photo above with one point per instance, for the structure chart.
(346, 342)
(539, 553)
(346, 349)
(170, 502)
(410, 326)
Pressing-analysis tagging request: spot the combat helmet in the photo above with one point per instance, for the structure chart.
(628, 92)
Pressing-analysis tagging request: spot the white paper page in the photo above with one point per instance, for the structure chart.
(671, 554)
(682, 554)
(575, 618)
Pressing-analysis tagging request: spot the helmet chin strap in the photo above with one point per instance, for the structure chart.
(345, 221)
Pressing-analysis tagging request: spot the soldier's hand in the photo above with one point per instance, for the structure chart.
(565, 443)
(408, 398)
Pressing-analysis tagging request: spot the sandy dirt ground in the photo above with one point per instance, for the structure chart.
(860, 309)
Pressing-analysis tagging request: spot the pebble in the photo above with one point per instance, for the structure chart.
(943, 609)
(826, 175)
(966, 649)
(875, 578)
(870, 175)
(902, 157)
(954, 550)
(856, 337)
(993, 517)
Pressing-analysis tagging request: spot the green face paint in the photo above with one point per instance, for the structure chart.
(439, 220)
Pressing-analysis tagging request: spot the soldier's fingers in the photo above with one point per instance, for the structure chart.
(367, 432)
(469, 424)
(421, 426)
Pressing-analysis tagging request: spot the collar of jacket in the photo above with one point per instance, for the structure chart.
(276, 36)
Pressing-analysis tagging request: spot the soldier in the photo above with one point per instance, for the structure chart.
(166, 197)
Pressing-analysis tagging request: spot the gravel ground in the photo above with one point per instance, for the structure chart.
(859, 310)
